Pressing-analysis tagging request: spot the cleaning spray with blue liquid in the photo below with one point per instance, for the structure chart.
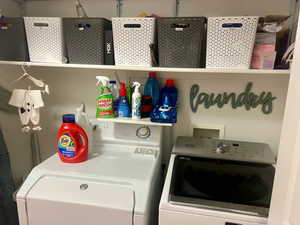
(123, 105)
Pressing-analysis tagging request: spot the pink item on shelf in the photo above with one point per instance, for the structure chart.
(263, 60)
(263, 48)
(264, 53)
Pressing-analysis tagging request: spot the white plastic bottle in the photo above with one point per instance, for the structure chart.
(136, 102)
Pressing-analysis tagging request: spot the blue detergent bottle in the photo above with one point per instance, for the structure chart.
(172, 92)
(166, 111)
(152, 88)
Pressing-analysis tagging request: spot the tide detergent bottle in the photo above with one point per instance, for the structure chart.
(72, 141)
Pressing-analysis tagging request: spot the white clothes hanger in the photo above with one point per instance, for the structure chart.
(36, 81)
(288, 55)
(80, 11)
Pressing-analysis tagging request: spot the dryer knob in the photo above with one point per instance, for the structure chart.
(143, 132)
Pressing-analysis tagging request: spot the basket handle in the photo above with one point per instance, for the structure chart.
(132, 25)
(82, 26)
(41, 24)
(232, 25)
(180, 25)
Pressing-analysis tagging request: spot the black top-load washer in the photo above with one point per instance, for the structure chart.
(223, 175)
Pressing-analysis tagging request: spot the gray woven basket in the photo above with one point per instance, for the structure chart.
(180, 41)
(13, 40)
(84, 38)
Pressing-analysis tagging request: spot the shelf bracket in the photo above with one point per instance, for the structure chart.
(119, 7)
(177, 5)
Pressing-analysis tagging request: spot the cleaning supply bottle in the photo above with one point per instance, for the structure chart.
(172, 92)
(152, 88)
(123, 106)
(72, 141)
(105, 99)
(166, 111)
(136, 102)
(115, 93)
(114, 88)
(129, 92)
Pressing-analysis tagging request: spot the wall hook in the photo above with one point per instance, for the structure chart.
(177, 5)
(119, 7)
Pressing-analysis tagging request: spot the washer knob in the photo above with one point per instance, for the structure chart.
(143, 132)
(221, 148)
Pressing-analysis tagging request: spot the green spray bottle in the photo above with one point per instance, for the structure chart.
(105, 100)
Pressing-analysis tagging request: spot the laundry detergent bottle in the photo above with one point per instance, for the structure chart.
(72, 141)
(152, 88)
(172, 92)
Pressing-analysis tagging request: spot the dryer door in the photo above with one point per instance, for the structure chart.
(71, 201)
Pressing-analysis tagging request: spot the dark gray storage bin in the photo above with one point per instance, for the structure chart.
(84, 39)
(13, 40)
(181, 41)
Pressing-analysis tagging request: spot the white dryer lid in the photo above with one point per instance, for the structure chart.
(71, 201)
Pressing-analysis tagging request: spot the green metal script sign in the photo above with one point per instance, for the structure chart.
(248, 99)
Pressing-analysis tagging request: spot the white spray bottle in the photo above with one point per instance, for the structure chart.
(136, 102)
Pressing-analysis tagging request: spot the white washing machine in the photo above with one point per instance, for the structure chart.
(217, 182)
(118, 185)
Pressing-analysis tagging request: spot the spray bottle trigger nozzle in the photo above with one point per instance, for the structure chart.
(136, 86)
(102, 79)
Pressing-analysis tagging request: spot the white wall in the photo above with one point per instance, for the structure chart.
(107, 8)
(69, 87)
(9, 8)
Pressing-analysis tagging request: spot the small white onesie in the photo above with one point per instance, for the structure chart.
(29, 103)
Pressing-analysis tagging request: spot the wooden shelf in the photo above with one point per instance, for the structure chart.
(156, 69)
(145, 121)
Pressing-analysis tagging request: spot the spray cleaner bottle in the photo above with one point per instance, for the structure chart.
(123, 106)
(136, 102)
(105, 100)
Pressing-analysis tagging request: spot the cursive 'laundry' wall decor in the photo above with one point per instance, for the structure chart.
(248, 99)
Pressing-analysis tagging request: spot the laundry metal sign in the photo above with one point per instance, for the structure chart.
(246, 99)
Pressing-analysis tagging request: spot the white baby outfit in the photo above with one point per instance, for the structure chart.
(28, 103)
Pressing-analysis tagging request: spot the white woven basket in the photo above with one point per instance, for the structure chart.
(45, 39)
(230, 41)
(132, 39)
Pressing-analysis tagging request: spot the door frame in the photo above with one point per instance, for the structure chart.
(289, 148)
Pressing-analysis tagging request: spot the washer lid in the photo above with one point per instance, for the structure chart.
(71, 201)
(224, 149)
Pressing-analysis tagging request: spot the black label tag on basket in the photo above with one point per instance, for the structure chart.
(4, 26)
(180, 26)
(82, 27)
(132, 25)
(41, 24)
(109, 48)
(232, 25)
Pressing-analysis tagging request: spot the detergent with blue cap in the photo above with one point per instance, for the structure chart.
(72, 141)
(166, 110)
